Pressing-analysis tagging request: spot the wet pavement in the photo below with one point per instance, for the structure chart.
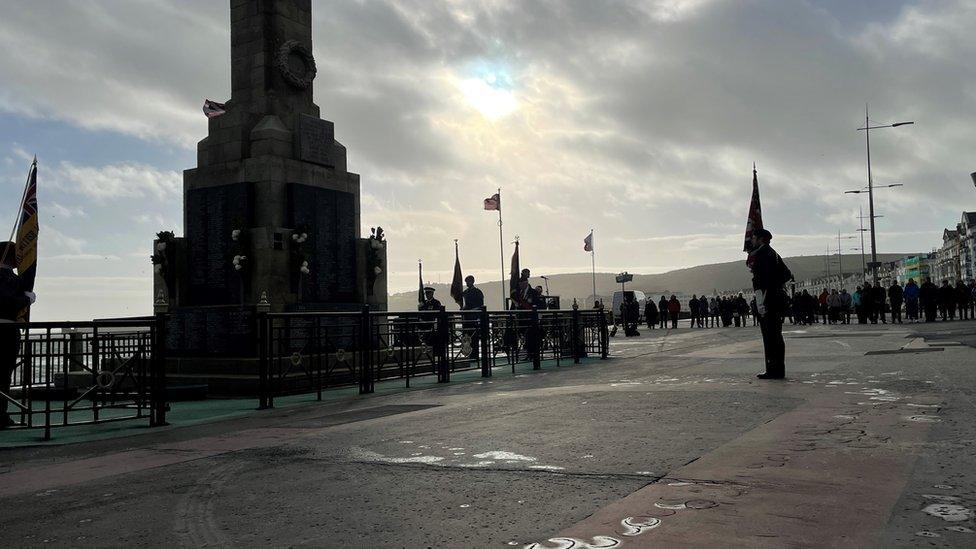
(673, 442)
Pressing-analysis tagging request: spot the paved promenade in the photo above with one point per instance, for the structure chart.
(673, 442)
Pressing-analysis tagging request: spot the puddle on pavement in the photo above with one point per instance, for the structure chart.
(924, 419)
(950, 512)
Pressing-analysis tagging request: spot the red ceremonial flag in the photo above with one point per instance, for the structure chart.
(754, 221)
(494, 202)
(457, 285)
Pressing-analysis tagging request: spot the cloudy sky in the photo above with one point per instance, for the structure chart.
(640, 119)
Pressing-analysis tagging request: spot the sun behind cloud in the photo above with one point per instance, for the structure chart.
(490, 92)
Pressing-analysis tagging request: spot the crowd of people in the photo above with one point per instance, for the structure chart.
(912, 302)
(704, 312)
(872, 304)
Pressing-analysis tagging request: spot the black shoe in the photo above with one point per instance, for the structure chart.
(769, 376)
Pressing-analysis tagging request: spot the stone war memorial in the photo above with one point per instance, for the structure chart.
(271, 214)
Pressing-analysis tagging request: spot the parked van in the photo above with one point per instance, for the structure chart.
(618, 298)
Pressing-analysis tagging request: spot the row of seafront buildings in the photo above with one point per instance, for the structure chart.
(954, 261)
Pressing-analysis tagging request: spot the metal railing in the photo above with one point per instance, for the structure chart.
(311, 352)
(72, 373)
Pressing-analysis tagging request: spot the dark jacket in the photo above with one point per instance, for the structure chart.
(473, 298)
(12, 298)
(895, 294)
(770, 274)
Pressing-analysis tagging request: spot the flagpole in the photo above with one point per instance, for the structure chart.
(501, 248)
(593, 263)
(20, 208)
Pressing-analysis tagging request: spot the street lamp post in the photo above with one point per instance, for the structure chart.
(840, 255)
(867, 138)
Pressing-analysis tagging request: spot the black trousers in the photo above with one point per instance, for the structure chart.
(895, 312)
(9, 348)
(771, 326)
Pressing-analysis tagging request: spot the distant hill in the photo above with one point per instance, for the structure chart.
(717, 277)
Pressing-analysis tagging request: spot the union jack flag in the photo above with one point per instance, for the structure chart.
(27, 231)
(213, 109)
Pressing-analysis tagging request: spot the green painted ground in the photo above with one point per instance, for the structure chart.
(183, 414)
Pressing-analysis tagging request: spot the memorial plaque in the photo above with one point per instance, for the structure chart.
(315, 140)
(329, 218)
(211, 331)
(211, 214)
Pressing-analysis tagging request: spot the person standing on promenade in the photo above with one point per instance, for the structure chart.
(895, 296)
(473, 299)
(947, 305)
(845, 306)
(769, 276)
(13, 299)
(822, 304)
(650, 314)
(674, 309)
(929, 296)
(962, 299)
(880, 297)
(662, 311)
(910, 294)
(693, 310)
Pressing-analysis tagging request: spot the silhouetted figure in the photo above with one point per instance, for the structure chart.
(674, 309)
(962, 300)
(911, 294)
(13, 299)
(895, 297)
(650, 314)
(473, 299)
(947, 301)
(845, 306)
(929, 297)
(430, 302)
(880, 303)
(769, 276)
(693, 310)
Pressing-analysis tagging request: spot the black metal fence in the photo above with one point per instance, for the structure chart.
(71, 373)
(310, 352)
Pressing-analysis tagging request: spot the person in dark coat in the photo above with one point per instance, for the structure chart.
(650, 314)
(878, 303)
(693, 310)
(674, 310)
(928, 294)
(962, 299)
(472, 299)
(895, 295)
(910, 294)
(947, 301)
(13, 299)
(662, 311)
(630, 312)
(769, 276)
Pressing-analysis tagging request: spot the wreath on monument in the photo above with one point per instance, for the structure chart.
(281, 62)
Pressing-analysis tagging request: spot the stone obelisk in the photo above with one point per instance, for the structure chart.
(271, 214)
